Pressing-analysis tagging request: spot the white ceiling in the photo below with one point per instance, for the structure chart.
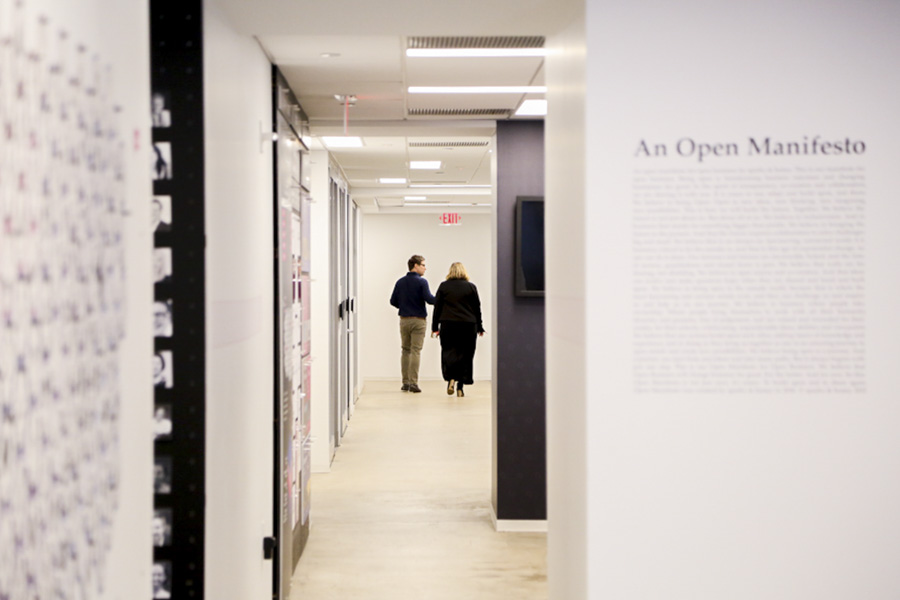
(368, 41)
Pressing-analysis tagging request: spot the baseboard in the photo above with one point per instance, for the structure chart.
(517, 525)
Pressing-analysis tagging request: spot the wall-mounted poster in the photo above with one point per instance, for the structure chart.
(162, 369)
(161, 214)
(63, 305)
(162, 265)
(162, 580)
(306, 315)
(178, 227)
(162, 318)
(162, 422)
(160, 114)
(162, 527)
(306, 235)
(161, 161)
(162, 475)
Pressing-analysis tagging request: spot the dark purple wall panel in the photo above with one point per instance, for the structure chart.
(520, 465)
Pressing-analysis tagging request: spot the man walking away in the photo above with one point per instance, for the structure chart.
(410, 295)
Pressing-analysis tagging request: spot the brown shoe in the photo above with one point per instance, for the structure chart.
(460, 393)
(450, 387)
(414, 388)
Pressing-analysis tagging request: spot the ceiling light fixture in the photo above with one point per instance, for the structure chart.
(446, 204)
(477, 89)
(474, 52)
(424, 164)
(532, 108)
(346, 99)
(329, 54)
(342, 141)
(415, 197)
(446, 185)
(392, 180)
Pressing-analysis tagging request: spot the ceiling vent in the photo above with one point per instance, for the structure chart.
(503, 41)
(458, 112)
(448, 144)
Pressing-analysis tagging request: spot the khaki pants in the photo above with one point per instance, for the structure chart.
(412, 338)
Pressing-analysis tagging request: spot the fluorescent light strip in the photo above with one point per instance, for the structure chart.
(477, 89)
(532, 108)
(446, 185)
(445, 204)
(392, 180)
(342, 141)
(424, 164)
(473, 52)
(415, 197)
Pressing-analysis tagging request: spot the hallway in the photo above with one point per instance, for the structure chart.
(405, 511)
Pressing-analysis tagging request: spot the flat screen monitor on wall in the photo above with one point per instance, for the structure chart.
(529, 246)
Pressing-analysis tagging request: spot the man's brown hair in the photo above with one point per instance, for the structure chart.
(414, 260)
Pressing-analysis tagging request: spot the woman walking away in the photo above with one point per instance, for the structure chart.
(457, 320)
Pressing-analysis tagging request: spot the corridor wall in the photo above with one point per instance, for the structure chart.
(734, 414)
(240, 288)
(388, 240)
(566, 307)
(320, 246)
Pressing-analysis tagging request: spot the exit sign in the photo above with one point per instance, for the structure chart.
(450, 219)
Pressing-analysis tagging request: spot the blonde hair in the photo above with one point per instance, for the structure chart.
(457, 271)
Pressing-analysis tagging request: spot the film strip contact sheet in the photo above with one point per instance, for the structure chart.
(177, 171)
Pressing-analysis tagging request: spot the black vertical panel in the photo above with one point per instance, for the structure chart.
(520, 488)
(280, 574)
(176, 37)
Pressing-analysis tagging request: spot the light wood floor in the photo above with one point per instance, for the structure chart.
(405, 511)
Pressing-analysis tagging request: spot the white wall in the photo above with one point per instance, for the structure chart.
(742, 494)
(122, 29)
(320, 351)
(388, 240)
(240, 288)
(565, 312)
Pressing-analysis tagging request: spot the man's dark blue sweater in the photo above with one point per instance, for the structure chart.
(410, 295)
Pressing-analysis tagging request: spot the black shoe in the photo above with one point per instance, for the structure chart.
(414, 388)
(450, 387)
(405, 387)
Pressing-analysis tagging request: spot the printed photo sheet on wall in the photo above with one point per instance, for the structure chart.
(62, 309)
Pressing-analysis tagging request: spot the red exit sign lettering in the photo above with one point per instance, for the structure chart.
(450, 219)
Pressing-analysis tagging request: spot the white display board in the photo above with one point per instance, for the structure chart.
(743, 270)
(75, 488)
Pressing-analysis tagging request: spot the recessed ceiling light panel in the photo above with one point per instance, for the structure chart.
(398, 180)
(477, 89)
(425, 164)
(342, 141)
(446, 204)
(533, 107)
(445, 185)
